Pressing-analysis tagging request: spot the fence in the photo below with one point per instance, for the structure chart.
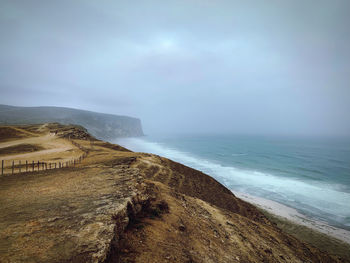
(32, 166)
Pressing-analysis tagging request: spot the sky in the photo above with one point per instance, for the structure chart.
(208, 66)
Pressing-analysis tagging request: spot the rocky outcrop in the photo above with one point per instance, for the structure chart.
(81, 220)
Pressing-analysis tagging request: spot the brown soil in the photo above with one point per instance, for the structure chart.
(194, 231)
(121, 206)
(196, 184)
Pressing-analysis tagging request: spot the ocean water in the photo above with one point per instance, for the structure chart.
(311, 175)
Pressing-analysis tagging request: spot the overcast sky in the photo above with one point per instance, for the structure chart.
(279, 67)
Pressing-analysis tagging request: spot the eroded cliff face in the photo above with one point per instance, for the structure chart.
(100, 125)
(121, 206)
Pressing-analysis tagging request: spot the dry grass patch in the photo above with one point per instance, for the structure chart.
(9, 133)
(21, 148)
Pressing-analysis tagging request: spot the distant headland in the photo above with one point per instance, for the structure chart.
(100, 125)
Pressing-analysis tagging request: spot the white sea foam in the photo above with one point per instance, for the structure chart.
(324, 201)
(296, 217)
(238, 154)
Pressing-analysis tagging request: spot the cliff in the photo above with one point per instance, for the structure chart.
(121, 206)
(100, 125)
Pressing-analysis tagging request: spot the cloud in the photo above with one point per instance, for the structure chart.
(215, 66)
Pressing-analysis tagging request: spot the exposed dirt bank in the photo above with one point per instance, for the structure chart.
(121, 206)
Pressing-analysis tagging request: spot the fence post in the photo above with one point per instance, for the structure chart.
(26, 166)
(50, 166)
(13, 166)
(59, 165)
(20, 167)
(38, 165)
(55, 165)
(33, 165)
(2, 167)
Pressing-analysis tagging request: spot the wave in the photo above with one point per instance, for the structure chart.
(239, 154)
(322, 200)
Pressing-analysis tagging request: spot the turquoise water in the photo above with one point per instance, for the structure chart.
(311, 175)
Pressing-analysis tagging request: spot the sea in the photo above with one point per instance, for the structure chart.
(311, 175)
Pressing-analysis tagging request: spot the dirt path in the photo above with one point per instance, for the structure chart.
(121, 206)
(54, 148)
(24, 131)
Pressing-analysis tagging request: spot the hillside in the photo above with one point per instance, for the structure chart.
(100, 125)
(121, 206)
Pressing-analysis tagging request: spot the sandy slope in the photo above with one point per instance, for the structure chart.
(120, 206)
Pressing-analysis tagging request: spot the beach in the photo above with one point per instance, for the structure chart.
(115, 205)
(294, 216)
(293, 183)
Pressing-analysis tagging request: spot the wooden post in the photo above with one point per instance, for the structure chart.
(26, 166)
(45, 166)
(38, 165)
(33, 165)
(50, 166)
(2, 167)
(19, 166)
(59, 165)
(55, 165)
(13, 166)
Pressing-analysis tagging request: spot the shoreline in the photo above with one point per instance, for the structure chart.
(287, 213)
(273, 207)
(115, 180)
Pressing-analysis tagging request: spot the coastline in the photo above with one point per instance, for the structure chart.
(135, 191)
(294, 216)
(272, 207)
(320, 234)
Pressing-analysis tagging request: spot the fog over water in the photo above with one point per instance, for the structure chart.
(246, 67)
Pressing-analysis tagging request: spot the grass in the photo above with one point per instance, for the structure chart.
(20, 148)
(9, 133)
(317, 239)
